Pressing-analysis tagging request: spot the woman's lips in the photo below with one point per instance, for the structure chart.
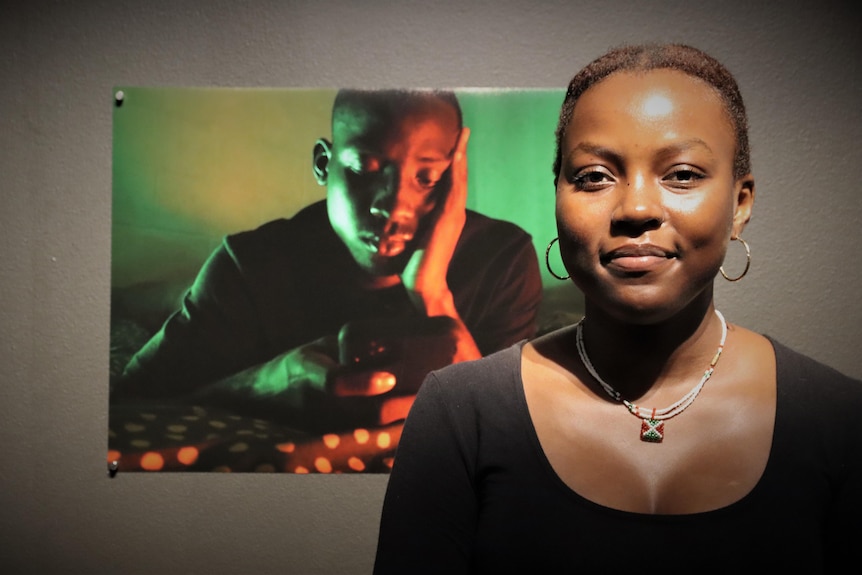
(636, 264)
(637, 258)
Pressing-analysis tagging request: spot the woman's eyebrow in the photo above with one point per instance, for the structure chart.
(683, 146)
(597, 150)
(665, 151)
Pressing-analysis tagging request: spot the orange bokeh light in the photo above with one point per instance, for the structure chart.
(152, 461)
(331, 440)
(384, 440)
(187, 455)
(361, 436)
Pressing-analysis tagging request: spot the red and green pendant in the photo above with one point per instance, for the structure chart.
(652, 430)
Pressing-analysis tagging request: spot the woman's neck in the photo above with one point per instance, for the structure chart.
(635, 358)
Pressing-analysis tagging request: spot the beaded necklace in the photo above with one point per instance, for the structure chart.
(652, 420)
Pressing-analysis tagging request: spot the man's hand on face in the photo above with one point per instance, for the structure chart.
(424, 275)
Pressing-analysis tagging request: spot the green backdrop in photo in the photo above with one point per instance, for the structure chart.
(193, 164)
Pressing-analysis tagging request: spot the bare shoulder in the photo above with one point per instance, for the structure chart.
(746, 375)
(749, 348)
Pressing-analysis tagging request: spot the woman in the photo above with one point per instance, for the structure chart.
(652, 434)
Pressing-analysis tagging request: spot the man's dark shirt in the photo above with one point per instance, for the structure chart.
(292, 281)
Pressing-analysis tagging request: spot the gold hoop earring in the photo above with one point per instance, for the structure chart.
(548, 261)
(747, 262)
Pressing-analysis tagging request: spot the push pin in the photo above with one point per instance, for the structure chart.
(113, 466)
(118, 97)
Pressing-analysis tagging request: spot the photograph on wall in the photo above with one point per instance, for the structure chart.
(288, 265)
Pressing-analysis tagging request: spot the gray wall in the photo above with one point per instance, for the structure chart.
(799, 68)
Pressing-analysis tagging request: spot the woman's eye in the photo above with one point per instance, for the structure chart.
(591, 179)
(685, 177)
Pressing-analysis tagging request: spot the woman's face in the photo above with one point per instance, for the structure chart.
(646, 200)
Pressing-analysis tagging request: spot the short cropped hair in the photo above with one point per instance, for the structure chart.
(679, 57)
(393, 100)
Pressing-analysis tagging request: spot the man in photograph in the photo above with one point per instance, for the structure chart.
(327, 321)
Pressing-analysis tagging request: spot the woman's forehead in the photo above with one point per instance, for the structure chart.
(657, 89)
(661, 98)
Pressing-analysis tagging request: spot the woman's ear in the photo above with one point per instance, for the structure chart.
(744, 190)
(320, 160)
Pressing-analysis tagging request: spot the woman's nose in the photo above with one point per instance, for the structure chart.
(639, 205)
